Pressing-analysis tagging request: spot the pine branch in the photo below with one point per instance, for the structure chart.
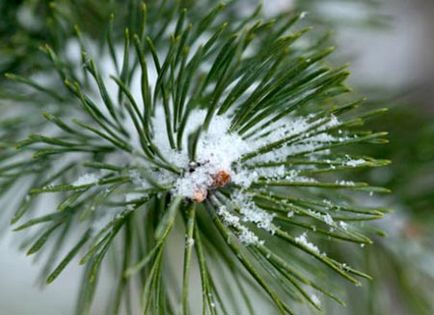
(180, 121)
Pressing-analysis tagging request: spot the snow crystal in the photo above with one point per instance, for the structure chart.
(343, 225)
(245, 178)
(328, 219)
(327, 202)
(314, 214)
(86, 179)
(297, 125)
(355, 163)
(345, 183)
(228, 218)
(315, 300)
(245, 236)
(302, 240)
(189, 242)
(132, 196)
(251, 213)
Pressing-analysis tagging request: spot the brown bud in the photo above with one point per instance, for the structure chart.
(221, 179)
(200, 195)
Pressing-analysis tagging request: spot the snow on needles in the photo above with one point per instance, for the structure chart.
(219, 161)
(224, 157)
(302, 240)
(219, 150)
(86, 179)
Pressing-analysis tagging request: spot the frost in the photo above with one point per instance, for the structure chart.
(245, 178)
(86, 179)
(251, 213)
(189, 242)
(327, 202)
(315, 300)
(328, 219)
(245, 236)
(228, 218)
(293, 176)
(343, 225)
(345, 183)
(132, 196)
(315, 214)
(302, 240)
(355, 163)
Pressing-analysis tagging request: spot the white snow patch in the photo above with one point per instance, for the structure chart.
(345, 183)
(132, 196)
(343, 225)
(86, 179)
(315, 300)
(302, 240)
(328, 219)
(189, 242)
(245, 236)
(251, 213)
(355, 163)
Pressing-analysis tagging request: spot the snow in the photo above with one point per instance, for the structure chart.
(251, 213)
(220, 151)
(245, 178)
(343, 225)
(217, 150)
(328, 219)
(345, 183)
(315, 300)
(220, 156)
(302, 240)
(245, 236)
(86, 179)
(133, 196)
(189, 242)
(355, 163)
(307, 135)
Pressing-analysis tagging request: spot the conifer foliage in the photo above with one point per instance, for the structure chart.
(183, 136)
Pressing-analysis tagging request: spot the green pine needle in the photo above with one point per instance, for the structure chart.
(235, 133)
